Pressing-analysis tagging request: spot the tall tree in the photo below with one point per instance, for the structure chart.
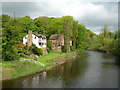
(11, 35)
(75, 34)
(67, 30)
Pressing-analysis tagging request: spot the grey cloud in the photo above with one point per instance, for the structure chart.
(91, 20)
(21, 8)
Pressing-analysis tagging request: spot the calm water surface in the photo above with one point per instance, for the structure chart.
(93, 70)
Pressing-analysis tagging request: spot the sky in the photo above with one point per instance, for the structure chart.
(92, 14)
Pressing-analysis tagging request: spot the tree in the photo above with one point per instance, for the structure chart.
(67, 30)
(5, 18)
(11, 35)
(42, 24)
(75, 35)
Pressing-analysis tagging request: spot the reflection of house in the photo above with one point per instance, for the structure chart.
(57, 42)
(38, 40)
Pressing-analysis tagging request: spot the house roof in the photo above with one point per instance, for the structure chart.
(55, 36)
(39, 35)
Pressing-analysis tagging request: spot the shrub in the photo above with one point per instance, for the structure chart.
(32, 47)
(28, 52)
(20, 50)
(22, 54)
(9, 53)
(40, 51)
(35, 50)
(49, 46)
(48, 50)
(26, 47)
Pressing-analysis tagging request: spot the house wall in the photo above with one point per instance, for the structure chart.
(61, 40)
(36, 41)
(25, 40)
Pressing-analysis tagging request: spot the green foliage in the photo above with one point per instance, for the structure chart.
(11, 35)
(22, 54)
(116, 43)
(14, 29)
(49, 46)
(26, 47)
(20, 50)
(9, 53)
(5, 18)
(49, 50)
(107, 41)
(23, 68)
(68, 21)
(35, 50)
(26, 52)
(40, 51)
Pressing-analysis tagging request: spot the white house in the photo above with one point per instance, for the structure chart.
(38, 40)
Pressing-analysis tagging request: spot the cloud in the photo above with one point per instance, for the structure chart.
(92, 14)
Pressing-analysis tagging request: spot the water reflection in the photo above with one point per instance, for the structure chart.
(93, 70)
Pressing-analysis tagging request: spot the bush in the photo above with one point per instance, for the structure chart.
(48, 50)
(20, 50)
(9, 53)
(28, 52)
(35, 50)
(40, 51)
(26, 47)
(22, 54)
(49, 46)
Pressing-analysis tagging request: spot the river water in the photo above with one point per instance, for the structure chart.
(92, 70)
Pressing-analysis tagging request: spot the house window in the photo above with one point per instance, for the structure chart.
(40, 43)
(59, 44)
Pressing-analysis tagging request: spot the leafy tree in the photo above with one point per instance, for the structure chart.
(11, 35)
(75, 35)
(5, 18)
(67, 31)
(42, 24)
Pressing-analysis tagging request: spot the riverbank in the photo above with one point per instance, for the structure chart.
(15, 69)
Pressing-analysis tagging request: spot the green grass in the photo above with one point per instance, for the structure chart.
(47, 59)
(18, 68)
(14, 69)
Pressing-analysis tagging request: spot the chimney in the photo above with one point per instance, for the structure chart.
(29, 38)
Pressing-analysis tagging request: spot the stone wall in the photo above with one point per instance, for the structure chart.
(56, 49)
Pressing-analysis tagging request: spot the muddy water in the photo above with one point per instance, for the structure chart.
(92, 70)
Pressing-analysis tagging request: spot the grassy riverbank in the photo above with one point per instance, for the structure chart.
(14, 69)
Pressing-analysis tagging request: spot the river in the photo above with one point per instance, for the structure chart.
(91, 70)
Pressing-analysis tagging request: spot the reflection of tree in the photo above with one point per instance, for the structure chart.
(70, 70)
(66, 73)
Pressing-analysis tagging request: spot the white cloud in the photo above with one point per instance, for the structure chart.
(91, 14)
(59, 0)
